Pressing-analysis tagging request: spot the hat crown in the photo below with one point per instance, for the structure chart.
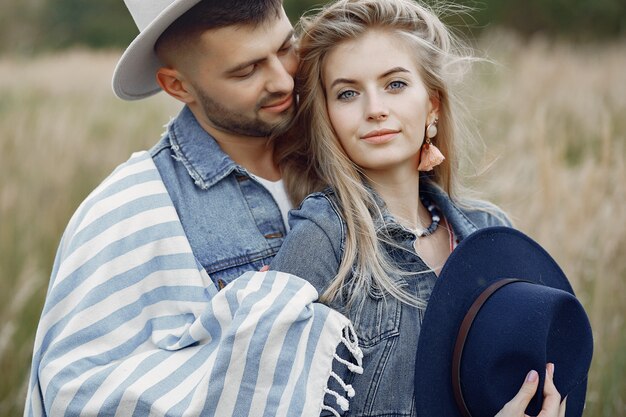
(145, 12)
(523, 326)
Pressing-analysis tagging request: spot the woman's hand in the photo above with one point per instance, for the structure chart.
(552, 405)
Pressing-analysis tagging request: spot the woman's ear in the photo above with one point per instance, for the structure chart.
(174, 84)
(433, 107)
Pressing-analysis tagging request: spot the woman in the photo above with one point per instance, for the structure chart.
(377, 136)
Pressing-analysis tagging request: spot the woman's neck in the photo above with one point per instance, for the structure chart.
(400, 191)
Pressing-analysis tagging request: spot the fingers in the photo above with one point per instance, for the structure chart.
(552, 405)
(562, 408)
(265, 268)
(516, 407)
(551, 398)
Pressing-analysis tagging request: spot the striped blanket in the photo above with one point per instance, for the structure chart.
(133, 326)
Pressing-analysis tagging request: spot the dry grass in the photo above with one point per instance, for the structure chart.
(551, 117)
(555, 126)
(62, 131)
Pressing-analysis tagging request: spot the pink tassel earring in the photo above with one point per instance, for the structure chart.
(430, 155)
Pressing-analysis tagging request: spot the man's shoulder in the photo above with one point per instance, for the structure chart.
(137, 169)
(164, 144)
(135, 186)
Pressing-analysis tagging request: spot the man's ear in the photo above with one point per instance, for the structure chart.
(174, 84)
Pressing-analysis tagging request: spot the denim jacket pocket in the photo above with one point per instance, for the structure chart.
(376, 319)
(233, 268)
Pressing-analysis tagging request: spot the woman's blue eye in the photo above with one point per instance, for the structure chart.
(396, 85)
(347, 95)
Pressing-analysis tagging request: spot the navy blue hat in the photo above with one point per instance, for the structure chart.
(501, 307)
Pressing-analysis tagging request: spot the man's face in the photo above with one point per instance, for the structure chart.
(242, 78)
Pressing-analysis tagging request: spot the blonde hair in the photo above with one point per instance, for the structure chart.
(312, 158)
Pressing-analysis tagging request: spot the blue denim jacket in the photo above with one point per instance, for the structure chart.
(215, 197)
(388, 330)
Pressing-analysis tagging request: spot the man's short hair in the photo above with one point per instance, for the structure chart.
(215, 14)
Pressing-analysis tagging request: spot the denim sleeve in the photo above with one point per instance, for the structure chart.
(312, 249)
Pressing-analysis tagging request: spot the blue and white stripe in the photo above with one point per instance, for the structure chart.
(133, 326)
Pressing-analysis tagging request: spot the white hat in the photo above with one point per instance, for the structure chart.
(135, 75)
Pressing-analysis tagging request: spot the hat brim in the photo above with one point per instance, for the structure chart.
(484, 257)
(134, 77)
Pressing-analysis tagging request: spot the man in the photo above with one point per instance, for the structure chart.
(236, 81)
(139, 318)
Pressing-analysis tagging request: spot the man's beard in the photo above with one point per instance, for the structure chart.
(228, 121)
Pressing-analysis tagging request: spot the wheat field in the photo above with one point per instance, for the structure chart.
(552, 121)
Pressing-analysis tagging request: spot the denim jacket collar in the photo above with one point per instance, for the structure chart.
(201, 155)
(456, 218)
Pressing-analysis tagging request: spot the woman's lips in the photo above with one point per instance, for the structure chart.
(377, 137)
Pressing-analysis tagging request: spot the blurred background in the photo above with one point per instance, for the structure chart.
(28, 26)
(550, 106)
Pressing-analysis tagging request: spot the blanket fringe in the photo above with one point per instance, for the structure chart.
(332, 410)
(346, 387)
(349, 339)
(351, 342)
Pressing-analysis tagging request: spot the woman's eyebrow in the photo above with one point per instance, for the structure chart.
(384, 75)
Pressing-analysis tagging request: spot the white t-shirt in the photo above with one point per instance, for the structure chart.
(277, 189)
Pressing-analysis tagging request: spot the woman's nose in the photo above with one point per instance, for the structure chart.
(379, 116)
(376, 110)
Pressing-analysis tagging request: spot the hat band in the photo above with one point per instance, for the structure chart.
(466, 324)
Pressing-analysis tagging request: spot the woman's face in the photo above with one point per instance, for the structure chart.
(377, 102)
